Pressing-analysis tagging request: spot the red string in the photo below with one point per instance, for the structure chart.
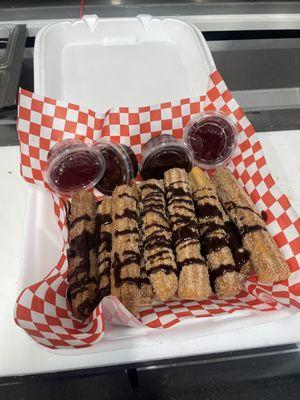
(81, 8)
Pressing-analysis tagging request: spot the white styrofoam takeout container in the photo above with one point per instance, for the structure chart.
(130, 62)
(103, 63)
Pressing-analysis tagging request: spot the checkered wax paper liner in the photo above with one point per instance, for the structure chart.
(42, 310)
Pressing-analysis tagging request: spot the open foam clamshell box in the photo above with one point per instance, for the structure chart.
(93, 65)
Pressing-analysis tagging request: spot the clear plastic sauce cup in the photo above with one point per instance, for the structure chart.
(162, 153)
(212, 137)
(73, 165)
(121, 165)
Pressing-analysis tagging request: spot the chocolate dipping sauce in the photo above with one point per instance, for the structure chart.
(212, 138)
(133, 159)
(162, 153)
(121, 165)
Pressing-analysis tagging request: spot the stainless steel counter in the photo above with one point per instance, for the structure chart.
(34, 9)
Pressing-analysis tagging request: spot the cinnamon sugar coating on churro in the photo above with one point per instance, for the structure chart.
(161, 240)
(193, 272)
(224, 272)
(264, 254)
(146, 289)
(125, 273)
(157, 240)
(104, 224)
(82, 259)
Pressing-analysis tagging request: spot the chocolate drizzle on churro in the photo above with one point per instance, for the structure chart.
(245, 229)
(127, 232)
(154, 208)
(105, 219)
(157, 225)
(240, 255)
(79, 286)
(126, 195)
(167, 269)
(103, 292)
(106, 241)
(144, 280)
(231, 205)
(81, 245)
(180, 201)
(251, 228)
(180, 192)
(220, 271)
(127, 214)
(233, 239)
(84, 217)
(214, 236)
(157, 241)
(178, 204)
(207, 210)
(185, 232)
(193, 274)
(104, 248)
(132, 253)
(82, 255)
(117, 267)
(264, 215)
(207, 197)
(153, 186)
(85, 308)
(158, 255)
(264, 254)
(126, 271)
(157, 244)
(212, 244)
(180, 182)
(188, 261)
(157, 238)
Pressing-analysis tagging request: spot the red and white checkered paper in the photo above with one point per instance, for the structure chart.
(42, 309)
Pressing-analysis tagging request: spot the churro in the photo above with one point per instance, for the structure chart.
(264, 254)
(146, 289)
(223, 271)
(125, 273)
(193, 272)
(157, 240)
(82, 259)
(163, 240)
(105, 228)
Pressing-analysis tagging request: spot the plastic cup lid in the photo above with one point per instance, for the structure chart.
(212, 138)
(73, 166)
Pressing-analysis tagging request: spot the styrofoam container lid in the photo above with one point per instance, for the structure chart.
(104, 62)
